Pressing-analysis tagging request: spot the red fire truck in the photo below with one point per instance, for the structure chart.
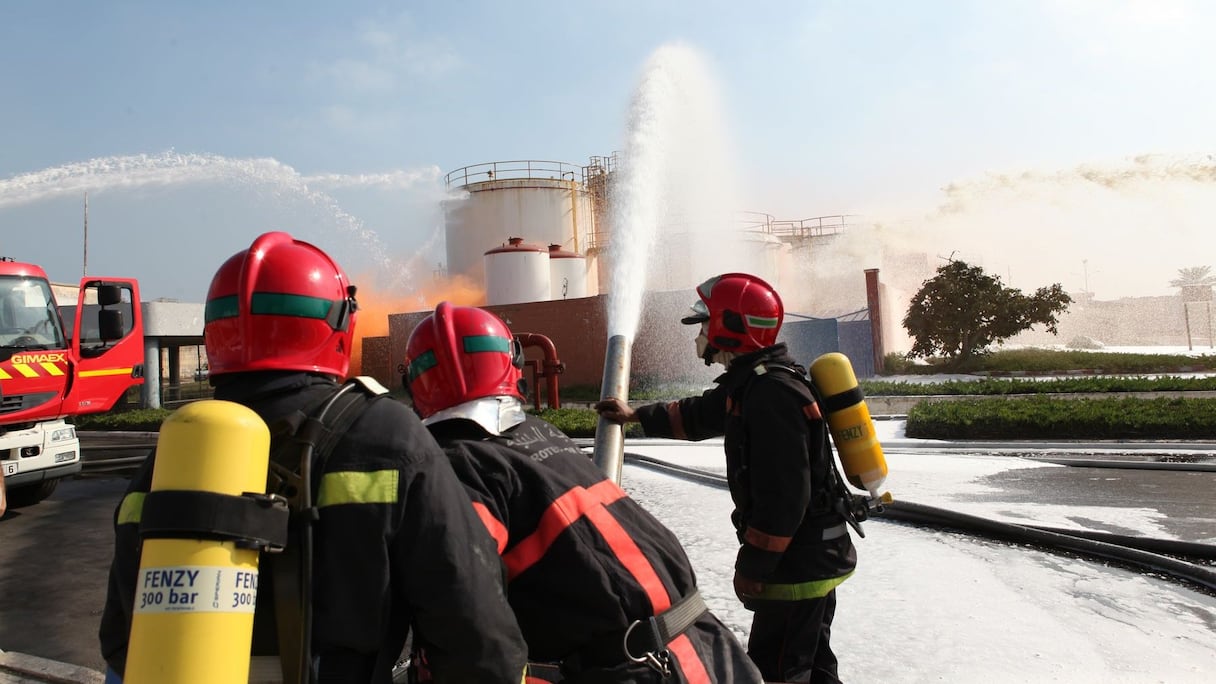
(49, 373)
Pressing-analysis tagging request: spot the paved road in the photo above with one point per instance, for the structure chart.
(54, 556)
(53, 562)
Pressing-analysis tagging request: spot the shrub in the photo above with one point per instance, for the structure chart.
(1048, 418)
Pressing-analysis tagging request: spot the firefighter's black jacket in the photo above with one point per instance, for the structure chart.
(583, 559)
(779, 468)
(416, 556)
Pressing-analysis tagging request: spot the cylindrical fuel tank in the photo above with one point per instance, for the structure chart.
(543, 201)
(517, 272)
(568, 277)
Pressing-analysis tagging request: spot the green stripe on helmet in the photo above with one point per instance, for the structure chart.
(422, 364)
(486, 343)
(300, 306)
(269, 304)
(221, 307)
(761, 322)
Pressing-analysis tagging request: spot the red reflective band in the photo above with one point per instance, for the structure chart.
(694, 670)
(627, 552)
(766, 542)
(812, 411)
(493, 525)
(676, 420)
(562, 513)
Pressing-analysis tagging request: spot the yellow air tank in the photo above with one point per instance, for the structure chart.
(198, 571)
(850, 423)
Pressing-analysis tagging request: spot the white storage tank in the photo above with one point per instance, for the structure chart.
(517, 272)
(546, 201)
(568, 275)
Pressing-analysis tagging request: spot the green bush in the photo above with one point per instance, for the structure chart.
(135, 420)
(577, 422)
(1047, 418)
(1079, 385)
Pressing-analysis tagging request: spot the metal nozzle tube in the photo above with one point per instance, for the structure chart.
(609, 452)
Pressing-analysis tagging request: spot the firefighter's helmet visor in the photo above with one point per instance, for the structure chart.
(699, 314)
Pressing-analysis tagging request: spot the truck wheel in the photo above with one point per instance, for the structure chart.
(31, 494)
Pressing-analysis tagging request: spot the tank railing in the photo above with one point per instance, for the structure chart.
(516, 169)
(751, 221)
(811, 227)
(757, 221)
(599, 167)
(598, 239)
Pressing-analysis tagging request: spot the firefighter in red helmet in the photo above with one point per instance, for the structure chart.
(391, 543)
(795, 546)
(603, 591)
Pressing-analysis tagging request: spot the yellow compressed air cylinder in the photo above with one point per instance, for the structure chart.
(194, 598)
(849, 421)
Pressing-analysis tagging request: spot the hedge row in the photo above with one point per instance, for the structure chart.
(1078, 385)
(1046, 418)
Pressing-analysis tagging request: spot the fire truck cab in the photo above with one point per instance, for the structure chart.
(48, 374)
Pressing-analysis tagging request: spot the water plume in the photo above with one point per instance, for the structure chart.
(173, 169)
(674, 193)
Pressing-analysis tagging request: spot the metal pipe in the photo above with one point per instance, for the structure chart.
(551, 367)
(609, 452)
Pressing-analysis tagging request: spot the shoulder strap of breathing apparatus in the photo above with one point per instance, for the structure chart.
(301, 446)
(849, 506)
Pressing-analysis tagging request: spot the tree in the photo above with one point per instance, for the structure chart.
(1195, 283)
(961, 311)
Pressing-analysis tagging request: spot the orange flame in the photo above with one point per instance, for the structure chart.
(375, 307)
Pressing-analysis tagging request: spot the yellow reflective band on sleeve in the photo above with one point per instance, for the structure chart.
(105, 371)
(802, 590)
(131, 509)
(353, 487)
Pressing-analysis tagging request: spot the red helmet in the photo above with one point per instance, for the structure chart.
(282, 304)
(743, 311)
(461, 353)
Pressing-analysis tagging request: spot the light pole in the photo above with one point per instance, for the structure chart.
(84, 267)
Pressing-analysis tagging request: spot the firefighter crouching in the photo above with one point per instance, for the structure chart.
(602, 590)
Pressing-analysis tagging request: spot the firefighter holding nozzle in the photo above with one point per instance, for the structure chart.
(603, 591)
(795, 546)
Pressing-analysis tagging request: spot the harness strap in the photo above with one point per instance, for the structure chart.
(251, 520)
(296, 466)
(673, 622)
(848, 506)
(642, 638)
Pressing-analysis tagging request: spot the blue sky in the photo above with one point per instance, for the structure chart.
(194, 126)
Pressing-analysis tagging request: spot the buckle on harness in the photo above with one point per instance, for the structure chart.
(658, 660)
